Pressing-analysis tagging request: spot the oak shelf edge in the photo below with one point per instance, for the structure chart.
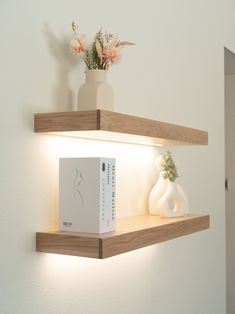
(131, 234)
(107, 124)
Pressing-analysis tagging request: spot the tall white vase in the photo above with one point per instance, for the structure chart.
(96, 93)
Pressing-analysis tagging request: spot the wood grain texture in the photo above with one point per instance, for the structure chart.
(68, 244)
(66, 121)
(131, 234)
(117, 123)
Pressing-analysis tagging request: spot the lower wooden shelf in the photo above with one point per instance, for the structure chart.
(131, 234)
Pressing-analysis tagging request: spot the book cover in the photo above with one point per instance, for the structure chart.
(84, 198)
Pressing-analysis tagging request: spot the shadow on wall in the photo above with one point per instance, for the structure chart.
(65, 61)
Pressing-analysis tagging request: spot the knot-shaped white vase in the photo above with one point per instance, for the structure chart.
(167, 198)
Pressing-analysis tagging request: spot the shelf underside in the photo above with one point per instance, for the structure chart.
(106, 125)
(131, 234)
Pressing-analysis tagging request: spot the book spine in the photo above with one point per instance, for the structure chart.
(113, 194)
(103, 194)
(110, 195)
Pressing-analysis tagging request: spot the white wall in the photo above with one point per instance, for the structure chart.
(174, 73)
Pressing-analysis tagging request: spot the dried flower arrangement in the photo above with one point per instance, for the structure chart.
(104, 50)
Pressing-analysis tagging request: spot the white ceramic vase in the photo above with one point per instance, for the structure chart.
(167, 199)
(96, 93)
(174, 202)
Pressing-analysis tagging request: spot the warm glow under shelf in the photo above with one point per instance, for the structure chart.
(131, 234)
(113, 126)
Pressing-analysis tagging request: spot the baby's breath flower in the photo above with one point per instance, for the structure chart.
(168, 168)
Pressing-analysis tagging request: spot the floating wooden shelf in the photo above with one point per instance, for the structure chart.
(106, 125)
(131, 234)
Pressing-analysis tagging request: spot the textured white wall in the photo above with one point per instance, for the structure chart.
(175, 73)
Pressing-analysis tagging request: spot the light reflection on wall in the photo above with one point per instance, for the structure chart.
(86, 278)
(70, 265)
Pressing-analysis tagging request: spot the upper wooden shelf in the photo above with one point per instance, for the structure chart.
(131, 234)
(106, 125)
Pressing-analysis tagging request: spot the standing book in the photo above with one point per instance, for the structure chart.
(87, 194)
